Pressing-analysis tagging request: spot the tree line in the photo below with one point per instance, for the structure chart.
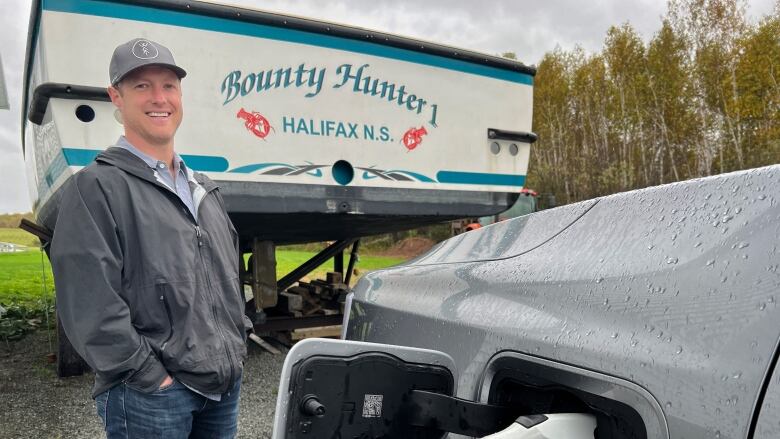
(12, 220)
(702, 97)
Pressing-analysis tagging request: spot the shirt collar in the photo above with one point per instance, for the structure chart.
(152, 162)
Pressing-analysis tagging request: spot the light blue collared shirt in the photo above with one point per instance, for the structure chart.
(179, 185)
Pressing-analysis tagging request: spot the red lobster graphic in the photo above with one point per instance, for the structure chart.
(255, 123)
(413, 137)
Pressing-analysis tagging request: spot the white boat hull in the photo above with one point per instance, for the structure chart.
(290, 122)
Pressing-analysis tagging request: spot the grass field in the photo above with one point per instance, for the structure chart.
(288, 260)
(18, 236)
(21, 280)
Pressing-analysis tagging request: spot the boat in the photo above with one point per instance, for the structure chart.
(314, 131)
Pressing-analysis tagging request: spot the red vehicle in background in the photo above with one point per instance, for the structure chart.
(526, 203)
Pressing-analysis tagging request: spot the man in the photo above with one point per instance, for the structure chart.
(145, 261)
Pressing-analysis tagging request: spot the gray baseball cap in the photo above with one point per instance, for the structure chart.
(140, 52)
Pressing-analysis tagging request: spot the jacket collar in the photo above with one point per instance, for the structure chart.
(152, 162)
(132, 164)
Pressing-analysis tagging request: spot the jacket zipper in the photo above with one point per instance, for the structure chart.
(199, 236)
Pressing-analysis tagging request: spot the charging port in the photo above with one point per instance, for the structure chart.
(532, 385)
(614, 420)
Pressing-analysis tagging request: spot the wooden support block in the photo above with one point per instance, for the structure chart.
(316, 332)
(264, 273)
(333, 277)
(290, 302)
(263, 344)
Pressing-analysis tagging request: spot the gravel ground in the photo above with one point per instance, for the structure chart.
(34, 403)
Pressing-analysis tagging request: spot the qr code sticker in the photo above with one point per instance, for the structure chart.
(372, 406)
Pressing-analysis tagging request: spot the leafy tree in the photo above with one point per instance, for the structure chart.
(670, 95)
(701, 97)
(758, 84)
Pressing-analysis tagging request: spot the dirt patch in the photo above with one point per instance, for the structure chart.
(410, 247)
(36, 404)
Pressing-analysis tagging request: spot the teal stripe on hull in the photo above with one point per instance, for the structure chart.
(456, 177)
(181, 19)
(80, 157)
(204, 163)
(200, 163)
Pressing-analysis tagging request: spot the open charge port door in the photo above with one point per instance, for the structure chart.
(347, 389)
(336, 388)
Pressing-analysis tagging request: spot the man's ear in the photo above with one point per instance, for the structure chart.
(115, 95)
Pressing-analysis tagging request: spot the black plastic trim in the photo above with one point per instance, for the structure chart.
(520, 136)
(456, 415)
(46, 91)
(759, 404)
(41, 232)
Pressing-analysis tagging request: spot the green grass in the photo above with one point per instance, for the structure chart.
(21, 280)
(288, 260)
(18, 236)
(27, 288)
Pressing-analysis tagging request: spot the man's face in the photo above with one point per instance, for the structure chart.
(149, 99)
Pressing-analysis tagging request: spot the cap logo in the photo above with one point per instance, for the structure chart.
(144, 49)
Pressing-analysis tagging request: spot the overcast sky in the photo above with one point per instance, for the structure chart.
(527, 28)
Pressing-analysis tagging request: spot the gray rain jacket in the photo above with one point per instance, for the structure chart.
(143, 289)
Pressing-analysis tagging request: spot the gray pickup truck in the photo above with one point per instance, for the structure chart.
(648, 314)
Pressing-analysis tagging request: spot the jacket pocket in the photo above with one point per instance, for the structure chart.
(162, 293)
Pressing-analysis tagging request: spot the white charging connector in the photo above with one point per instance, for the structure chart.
(552, 426)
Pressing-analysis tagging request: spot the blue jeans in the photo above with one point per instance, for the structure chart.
(172, 412)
